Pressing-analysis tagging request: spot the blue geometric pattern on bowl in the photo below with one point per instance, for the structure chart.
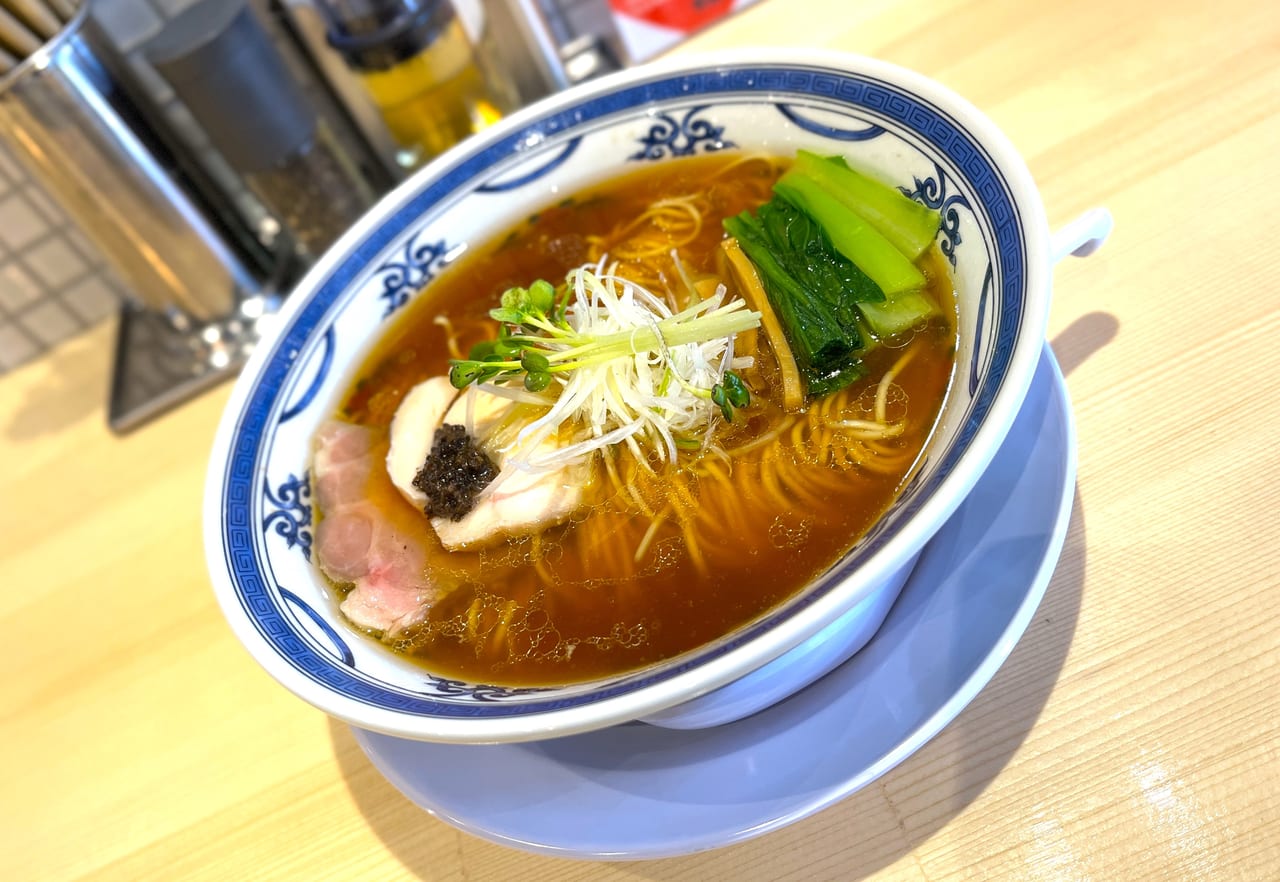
(932, 191)
(550, 165)
(695, 112)
(410, 272)
(826, 130)
(323, 364)
(682, 136)
(289, 512)
(340, 647)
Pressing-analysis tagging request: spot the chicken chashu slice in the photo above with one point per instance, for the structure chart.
(518, 502)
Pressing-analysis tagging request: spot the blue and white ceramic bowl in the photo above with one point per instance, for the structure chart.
(258, 506)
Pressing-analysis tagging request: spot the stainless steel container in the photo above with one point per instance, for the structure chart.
(67, 121)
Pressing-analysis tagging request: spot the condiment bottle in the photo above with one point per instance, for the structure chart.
(229, 75)
(415, 59)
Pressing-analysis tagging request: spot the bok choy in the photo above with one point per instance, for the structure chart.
(836, 251)
(908, 225)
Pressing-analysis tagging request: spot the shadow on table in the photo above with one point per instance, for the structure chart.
(888, 820)
(1082, 338)
(881, 823)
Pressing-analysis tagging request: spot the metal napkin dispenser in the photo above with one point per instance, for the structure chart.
(202, 294)
(70, 124)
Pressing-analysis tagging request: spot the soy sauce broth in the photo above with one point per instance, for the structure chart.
(571, 603)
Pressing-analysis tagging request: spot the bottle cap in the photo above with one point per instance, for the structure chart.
(386, 33)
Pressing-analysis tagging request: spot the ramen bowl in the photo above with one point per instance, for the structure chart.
(259, 516)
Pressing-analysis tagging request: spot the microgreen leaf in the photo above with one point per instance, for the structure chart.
(541, 296)
(536, 381)
(534, 362)
(735, 390)
(721, 398)
(464, 373)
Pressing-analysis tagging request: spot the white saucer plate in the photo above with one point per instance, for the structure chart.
(637, 791)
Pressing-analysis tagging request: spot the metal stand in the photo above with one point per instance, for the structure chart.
(162, 360)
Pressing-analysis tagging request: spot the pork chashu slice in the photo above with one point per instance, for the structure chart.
(518, 502)
(356, 543)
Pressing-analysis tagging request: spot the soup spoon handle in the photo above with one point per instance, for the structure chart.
(1082, 236)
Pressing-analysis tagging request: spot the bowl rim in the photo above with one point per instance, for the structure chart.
(800, 624)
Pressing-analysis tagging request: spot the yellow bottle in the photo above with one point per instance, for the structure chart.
(420, 69)
(434, 99)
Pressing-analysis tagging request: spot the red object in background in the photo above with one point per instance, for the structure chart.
(682, 15)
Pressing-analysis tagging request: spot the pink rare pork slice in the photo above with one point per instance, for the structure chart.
(356, 544)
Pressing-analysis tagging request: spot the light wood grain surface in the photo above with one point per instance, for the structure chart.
(1133, 732)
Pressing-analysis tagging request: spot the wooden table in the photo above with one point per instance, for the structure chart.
(1133, 732)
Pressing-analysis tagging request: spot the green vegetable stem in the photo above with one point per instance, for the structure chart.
(908, 225)
(853, 236)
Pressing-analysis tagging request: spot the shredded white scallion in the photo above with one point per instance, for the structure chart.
(634, 371)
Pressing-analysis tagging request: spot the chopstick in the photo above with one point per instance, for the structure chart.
(35, 15)
(26, 24)
(65, 9)
(15, 36)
